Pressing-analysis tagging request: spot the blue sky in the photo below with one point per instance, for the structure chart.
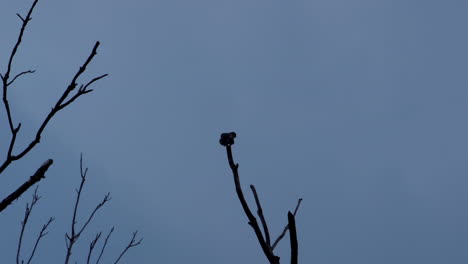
(359, 107)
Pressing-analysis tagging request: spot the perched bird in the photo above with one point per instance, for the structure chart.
(227, 139)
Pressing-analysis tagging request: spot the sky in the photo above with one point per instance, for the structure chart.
(359, 107)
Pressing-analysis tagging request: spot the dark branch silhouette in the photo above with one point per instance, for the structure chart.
(71, 92)
(293, 237)
(104, 245)
(75, 232)
(286, 228)
(40, 174)
(132, 243)
(260, 214)
(42, 233)
(7, 79)
(227, 140)
(92, 245)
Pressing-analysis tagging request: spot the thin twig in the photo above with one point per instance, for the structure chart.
(20, 38)
(19, 75)
(27, 213)
(260, 215)
(92, 245)
(104, 245)
(104, 201)
(82, 90)
(42, 234)
(283, 233)
(130, 245)
(71, 238)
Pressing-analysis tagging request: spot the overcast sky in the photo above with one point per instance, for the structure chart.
(357, 106)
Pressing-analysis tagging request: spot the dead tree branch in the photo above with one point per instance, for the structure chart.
(19, 75)
(75, 233)
(260, 214)
(64, 100)
(92, 245)
(131, 244)
(42, 233)
(40, 174)
(104, 245)
(286, 228)
(71, 92)
(293, 237)
(27, 213)
(227, 140)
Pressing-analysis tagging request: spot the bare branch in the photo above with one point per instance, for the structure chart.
(287, 226)
(38, 175)
(293, 237)
(261, 216)
(132, 243)
(71, 238)
(227, 140)
(104, 201)
(81, 91)
(27, 213)
(92, 245)
(19, 75)
(18, 42)
(42, 234)
(104, 245)
(5, 83)
(60, 104)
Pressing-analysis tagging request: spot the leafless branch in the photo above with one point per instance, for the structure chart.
(131, 244)
(71, 238)
(227, 139)
(6, 82)
(25, 21)
(104, 245)
(293, 237)
(38, 175)
(104, 201)
(92, 245)
(287, 226)
(82, 90)
(42, 234)
(27, 213)
(260, 215)
(61, 103)
(19, 75)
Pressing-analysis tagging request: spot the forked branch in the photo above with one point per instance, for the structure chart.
(75, 233)
(286, 228)
(133, 243)
(42, 233)
(227, 140)
(65, 99)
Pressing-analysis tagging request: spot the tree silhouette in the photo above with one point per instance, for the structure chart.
(74, 90)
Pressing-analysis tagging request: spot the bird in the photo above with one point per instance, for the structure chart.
(227, 139)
